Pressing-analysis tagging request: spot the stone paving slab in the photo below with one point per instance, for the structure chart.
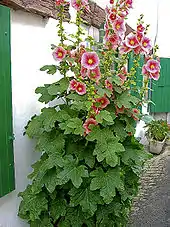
(152, 207)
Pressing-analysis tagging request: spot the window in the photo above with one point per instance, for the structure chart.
(6, 136)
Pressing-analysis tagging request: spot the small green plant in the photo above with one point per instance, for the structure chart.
(157, 130)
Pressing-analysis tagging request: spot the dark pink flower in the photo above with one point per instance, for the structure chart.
(152, 66)
(88, 122)
(113, 39)
(79, 4)
(140, 28)
(94, 74)
(59, 53)
(138, 50)
(120, 110)
(90, 60)
(112, 16)
(155, 76)
(108, 85)
(59, 2)
(122, 77)
(124, 49)
(119, 26)
(73, 85)
(96, 109)
(103, 102)
(83, 71)
(129, 3)
(81, 88)
(139, 36)
(131, 41)
(144, 71)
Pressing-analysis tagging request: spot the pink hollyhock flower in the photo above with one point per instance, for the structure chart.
(90, 60)
(136, 111)
(123, 13)
(73, 85)
(88, 122)
(131, 41)
(94, 74)
(155, 76)
(79, 4)
(81, 88)
(108, 85)
(120, 110)
(144, 71)
(59, 53)
(112, 16)
(146, 44)
(113, 39)
(103, 102)
(124, 70)
(140, 28)
(83, 71)
(122, 77)
(96, 109)
(129, 3)
(153, 66)
(111, 1)
(119, 26)
(139, 36)
(124, 49)
(59, 2)
(138, 50)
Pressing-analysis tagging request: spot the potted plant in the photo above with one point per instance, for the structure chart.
(157, 131)
(90, 163)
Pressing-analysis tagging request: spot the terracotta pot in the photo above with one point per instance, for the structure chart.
(156, 147)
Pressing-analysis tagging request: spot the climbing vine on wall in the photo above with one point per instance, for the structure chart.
(90, 162)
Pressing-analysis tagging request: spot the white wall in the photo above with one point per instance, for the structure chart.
(31, 37)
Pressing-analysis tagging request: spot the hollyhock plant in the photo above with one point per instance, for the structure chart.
(59, 53)
(90, 60)
(90, 161)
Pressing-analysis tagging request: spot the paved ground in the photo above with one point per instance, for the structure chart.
(152, 207)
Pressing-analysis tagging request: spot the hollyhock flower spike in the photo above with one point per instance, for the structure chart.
(90, 60)
(104, 102)
(88, 122)
(59, 53)
(73, 85)
(153, 66)
(94, 74)
(131, 41)
(81, 88)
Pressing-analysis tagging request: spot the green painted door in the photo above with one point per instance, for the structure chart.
(6, 134)
(161, 89)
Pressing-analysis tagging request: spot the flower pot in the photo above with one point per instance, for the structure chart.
(156, 147)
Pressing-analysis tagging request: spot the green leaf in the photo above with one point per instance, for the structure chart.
(119, 129)
(104, 91)
(109, 151)
(73, 125)
(34, 204)
(45, 96)
(58, 87)
(34, 127)
(72, 172)
(104, 115)
(49, 117)
(126, 100)
(77, 97)
(53, 142)
(86, 198)
(45, 221)
(58, 208)
(51, 69)
(107, 183)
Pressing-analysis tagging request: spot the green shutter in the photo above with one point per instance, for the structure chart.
(161, 89)
(6, 135)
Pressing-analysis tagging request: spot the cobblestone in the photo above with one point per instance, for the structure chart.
(152, 206)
